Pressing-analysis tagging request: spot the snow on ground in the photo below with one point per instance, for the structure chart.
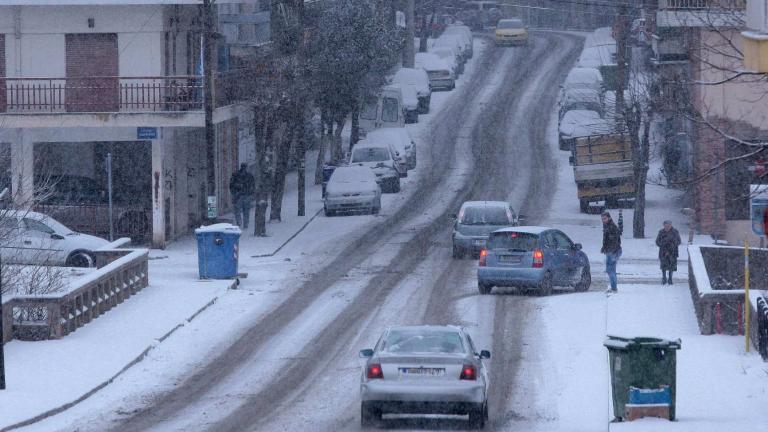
(275, 266)
(565, 365)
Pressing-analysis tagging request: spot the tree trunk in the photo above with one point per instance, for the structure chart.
(283, 153)
(425, 29)
(641, 155)
(355, 132)
(338, 153)
(301, 158)
(323, 146)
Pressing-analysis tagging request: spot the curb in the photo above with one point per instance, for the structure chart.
(135, 361)
(286, 242)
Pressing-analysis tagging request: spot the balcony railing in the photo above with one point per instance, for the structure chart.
(101, 94)
(684, 4)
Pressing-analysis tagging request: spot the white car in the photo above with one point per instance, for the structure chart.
(581, 99)
(383, 160)
(440, 73)
(581, 77)
(352, 189)
(419, 80)
(455, 44)
(447, 55)
(465, 35)
(401, 141)
(35, 238)
(424, 370)
(410, 102)
(582, 123)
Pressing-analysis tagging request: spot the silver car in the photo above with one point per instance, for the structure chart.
(352, 189)
(477, 219)
(424, 370)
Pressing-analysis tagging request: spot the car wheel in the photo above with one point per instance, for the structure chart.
(458, 253)
(545, 286)
(369, 415)
(484, 288)
(81, 259)
(477, 417)
(585, 281)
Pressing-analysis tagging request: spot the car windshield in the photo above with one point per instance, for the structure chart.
(350, 175)
(485, 216)
(369, 109)
(510, 24)
(370, 154)
(418, 341)
(513, 241)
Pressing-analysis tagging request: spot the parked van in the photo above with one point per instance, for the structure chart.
(385, 110)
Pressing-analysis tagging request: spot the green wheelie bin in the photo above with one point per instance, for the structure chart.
(642, 363)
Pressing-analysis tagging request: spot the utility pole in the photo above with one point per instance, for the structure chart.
(210, 132)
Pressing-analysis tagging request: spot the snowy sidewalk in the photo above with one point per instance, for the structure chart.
(719, 386)
(94, 355)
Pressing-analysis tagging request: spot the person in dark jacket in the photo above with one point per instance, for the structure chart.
(241, 186)
(668, 240)
(611, 248)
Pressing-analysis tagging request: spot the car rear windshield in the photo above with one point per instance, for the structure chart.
(510, 24)
(421, 341)
(370, 154)
(485, 216)
(513, 241)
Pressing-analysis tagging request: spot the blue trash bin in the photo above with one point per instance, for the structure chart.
(217, 251)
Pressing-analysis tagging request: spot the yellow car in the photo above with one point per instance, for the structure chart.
(511, 31)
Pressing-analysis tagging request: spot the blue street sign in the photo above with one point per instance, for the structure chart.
(146, 133)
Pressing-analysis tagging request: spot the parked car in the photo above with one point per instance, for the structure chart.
(352, 189)
(456, 46)
(511, 31)
(581, 123)
(449, 56)
(419, 80)
(531, 257)
(477, 219)
(581, 99)
(383, 110)
(424, 370)
(382, 159)
(28, 237)
(83, 204)
(410, 103)
(440, 73)
(465, 35)
(400, 140)
(584, 78)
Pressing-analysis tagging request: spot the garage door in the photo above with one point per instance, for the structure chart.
(92, 70)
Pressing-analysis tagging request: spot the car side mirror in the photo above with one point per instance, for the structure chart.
(57, 236)
(485, 354)
(366, 353)
(577, 246)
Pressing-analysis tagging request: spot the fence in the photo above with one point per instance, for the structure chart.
(121, 273)
(684, 4)
(101, 94)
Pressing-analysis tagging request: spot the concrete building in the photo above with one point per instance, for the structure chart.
(83, 78)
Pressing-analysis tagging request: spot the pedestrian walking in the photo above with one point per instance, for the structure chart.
(242, 186)
(668, 241)
(611, 248)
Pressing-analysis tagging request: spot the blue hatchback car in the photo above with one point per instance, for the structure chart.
(532, 258)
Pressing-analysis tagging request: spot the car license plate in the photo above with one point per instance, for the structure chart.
(421, 372)
(510, 259)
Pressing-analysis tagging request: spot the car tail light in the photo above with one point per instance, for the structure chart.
(538, 258)
(375, 372)
(483, 256)
(468, 372)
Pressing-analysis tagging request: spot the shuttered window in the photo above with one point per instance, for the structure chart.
(92, 69)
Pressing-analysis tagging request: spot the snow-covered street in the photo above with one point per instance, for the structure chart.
(279, 352)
